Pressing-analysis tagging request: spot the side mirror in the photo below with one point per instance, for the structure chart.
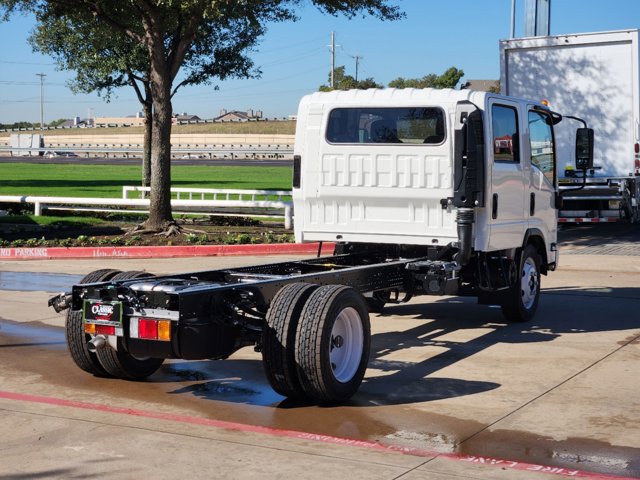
(584, 148)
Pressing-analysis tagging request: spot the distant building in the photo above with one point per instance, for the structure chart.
(185, 117)
(238, 116)
(131, 121)
(482, 85)
(77, 122)
(138, 120)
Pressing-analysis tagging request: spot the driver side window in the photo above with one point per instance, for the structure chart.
(541, 142)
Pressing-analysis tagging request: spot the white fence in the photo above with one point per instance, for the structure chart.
(211, 201)
(231, 152)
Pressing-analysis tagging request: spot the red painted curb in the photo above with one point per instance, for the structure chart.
(44, 253)
(313, 437)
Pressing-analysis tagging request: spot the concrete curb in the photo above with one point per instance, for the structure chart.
(40, 253)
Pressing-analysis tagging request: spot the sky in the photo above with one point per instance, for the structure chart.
(295, 57)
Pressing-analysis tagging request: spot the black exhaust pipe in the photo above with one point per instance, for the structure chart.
(465, 218)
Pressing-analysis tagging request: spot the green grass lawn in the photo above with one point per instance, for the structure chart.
(107, 180)
(75, 221)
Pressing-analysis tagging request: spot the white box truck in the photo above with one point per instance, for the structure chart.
(594, 76)
(425, 192)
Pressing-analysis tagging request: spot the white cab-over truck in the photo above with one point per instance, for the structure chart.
(594, 76)
(425, 192)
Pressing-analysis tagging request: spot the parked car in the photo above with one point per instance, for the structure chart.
(53, 154)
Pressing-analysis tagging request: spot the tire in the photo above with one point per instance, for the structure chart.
(332, 344)
(74, 330)
(279, 339)
(121, 364)
(521, 300)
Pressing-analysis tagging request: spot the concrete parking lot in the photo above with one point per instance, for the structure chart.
(458, 391)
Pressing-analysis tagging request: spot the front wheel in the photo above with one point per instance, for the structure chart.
(521, 300)
(332, 343)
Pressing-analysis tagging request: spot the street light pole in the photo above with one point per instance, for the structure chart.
(41, 75)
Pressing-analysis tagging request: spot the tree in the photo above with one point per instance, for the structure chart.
(58, 122)
(449, 79)
(204, 39)
(341, 81)
(103, 61)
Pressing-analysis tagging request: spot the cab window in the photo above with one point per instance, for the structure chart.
(402, 125)
(541, 142)
(505, 134)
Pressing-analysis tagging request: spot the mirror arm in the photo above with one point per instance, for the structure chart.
(584, 123)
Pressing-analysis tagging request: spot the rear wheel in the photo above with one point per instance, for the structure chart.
(332, 344)
(279, 338)
(74, 330)
(520, 302)
(120, 363)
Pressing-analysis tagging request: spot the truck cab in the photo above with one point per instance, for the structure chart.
(399, 166)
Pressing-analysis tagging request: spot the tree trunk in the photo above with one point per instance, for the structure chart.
(146, 148)
(160, 208)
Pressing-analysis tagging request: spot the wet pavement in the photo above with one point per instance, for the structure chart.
(37, 281)
(445, 375)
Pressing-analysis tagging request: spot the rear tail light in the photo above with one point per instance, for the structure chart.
(147, 329)
(105, 330)
(150, 329)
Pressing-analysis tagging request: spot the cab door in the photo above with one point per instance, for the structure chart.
(506, 201)
(542, 213)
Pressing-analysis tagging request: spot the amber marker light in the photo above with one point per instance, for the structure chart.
(90, 328)
(545, 102)
(164, 330)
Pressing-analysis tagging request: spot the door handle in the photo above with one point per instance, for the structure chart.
(494, 206)
(532, 204)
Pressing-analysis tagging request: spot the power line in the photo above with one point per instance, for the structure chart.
(266, 82)
(301, 56)
(297, 44)
(27, 63)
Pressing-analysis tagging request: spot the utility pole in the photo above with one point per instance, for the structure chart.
(513, 18)
(41, 75)
(358, 58)
(333, 58)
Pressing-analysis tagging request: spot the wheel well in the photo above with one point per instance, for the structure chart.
(535, 238)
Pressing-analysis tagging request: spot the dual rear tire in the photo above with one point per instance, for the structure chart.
(75, 336)
(118, 362)
(106, 361)
(316, 343)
